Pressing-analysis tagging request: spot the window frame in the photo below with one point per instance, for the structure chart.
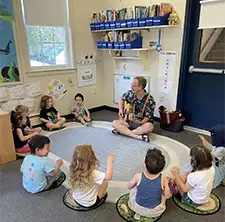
(68, 47)
(206, 64)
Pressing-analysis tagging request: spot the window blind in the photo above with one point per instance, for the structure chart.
(212, 14)
(45, 12)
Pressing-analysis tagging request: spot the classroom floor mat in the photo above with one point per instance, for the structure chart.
(211, 207)
(69, 202)
(129, 152)
(57, 183)
(127, 214)
(22, 155)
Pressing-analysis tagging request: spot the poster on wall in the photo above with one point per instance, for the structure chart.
(167, 65)
(86, 75)
(56, 90)
(8, 60)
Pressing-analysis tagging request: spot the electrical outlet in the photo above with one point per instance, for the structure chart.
(161, 97)
(94, 91)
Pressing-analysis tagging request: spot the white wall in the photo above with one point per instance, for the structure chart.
(84, 42)
(171, 41)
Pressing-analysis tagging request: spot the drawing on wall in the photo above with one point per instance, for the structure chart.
(56, 90)
(8, 59)
(10, 105)
(29, 102)
(3, 94)
(17, 92)
(33, 89)
(86, 75)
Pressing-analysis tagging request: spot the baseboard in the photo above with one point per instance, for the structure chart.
(95, 109)
(196, 130)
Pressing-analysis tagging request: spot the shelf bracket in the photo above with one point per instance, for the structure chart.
(158, 46)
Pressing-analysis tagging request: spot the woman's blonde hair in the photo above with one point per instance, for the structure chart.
(44, 100)
(84, 162)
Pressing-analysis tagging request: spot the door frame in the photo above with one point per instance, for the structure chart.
(190, 48)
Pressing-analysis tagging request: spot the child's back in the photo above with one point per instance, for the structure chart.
(34, 170)
(149, 191)
(38, 172)
(201, 183)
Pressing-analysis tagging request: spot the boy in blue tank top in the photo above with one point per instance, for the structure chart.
(150, 189)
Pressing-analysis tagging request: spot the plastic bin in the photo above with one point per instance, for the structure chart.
(116, 45)
(123, 24)
(118, 24)
(104, 45)
(110, 45)
(130, 23)
(141, 22)
(136, 44)
(92, 26)
(107, 26)
(161, 20)
(101, 25)
(149, 21)
(97, 26)
(99, 45)
(112, 24)
(135, 22)
(122, 45)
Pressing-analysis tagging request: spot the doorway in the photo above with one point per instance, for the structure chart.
(201, 93)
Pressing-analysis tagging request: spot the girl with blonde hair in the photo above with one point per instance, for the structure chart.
(89, 185)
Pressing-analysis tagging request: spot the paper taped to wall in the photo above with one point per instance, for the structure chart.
(3, 94)
(33, 89)
(165, 86)
(10, 105)
(86, 75)
(56, 89)
(167, 64)
(29, 102)
(16, 92)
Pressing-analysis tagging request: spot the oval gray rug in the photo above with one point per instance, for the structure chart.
(129, 152)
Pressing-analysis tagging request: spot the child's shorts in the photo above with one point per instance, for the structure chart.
(133, 125)
(187, 201)
(143, 211)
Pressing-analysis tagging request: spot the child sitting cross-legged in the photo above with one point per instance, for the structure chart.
(89, 185)
(18, 120)
(149, 189)
(49, 115)
(218, 156)
(195, 187)
(27, 127)
(80, 111)
(39, 173)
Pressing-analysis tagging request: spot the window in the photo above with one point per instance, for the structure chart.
(48, 34)
(212, 44)
(47, 46)
(212, 48)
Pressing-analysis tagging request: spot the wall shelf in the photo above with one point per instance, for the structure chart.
(139, 49)
(136, 28)
(126, 58)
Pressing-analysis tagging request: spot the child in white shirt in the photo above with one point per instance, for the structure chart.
(218, 155)
(196, 186)
(89, 185)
